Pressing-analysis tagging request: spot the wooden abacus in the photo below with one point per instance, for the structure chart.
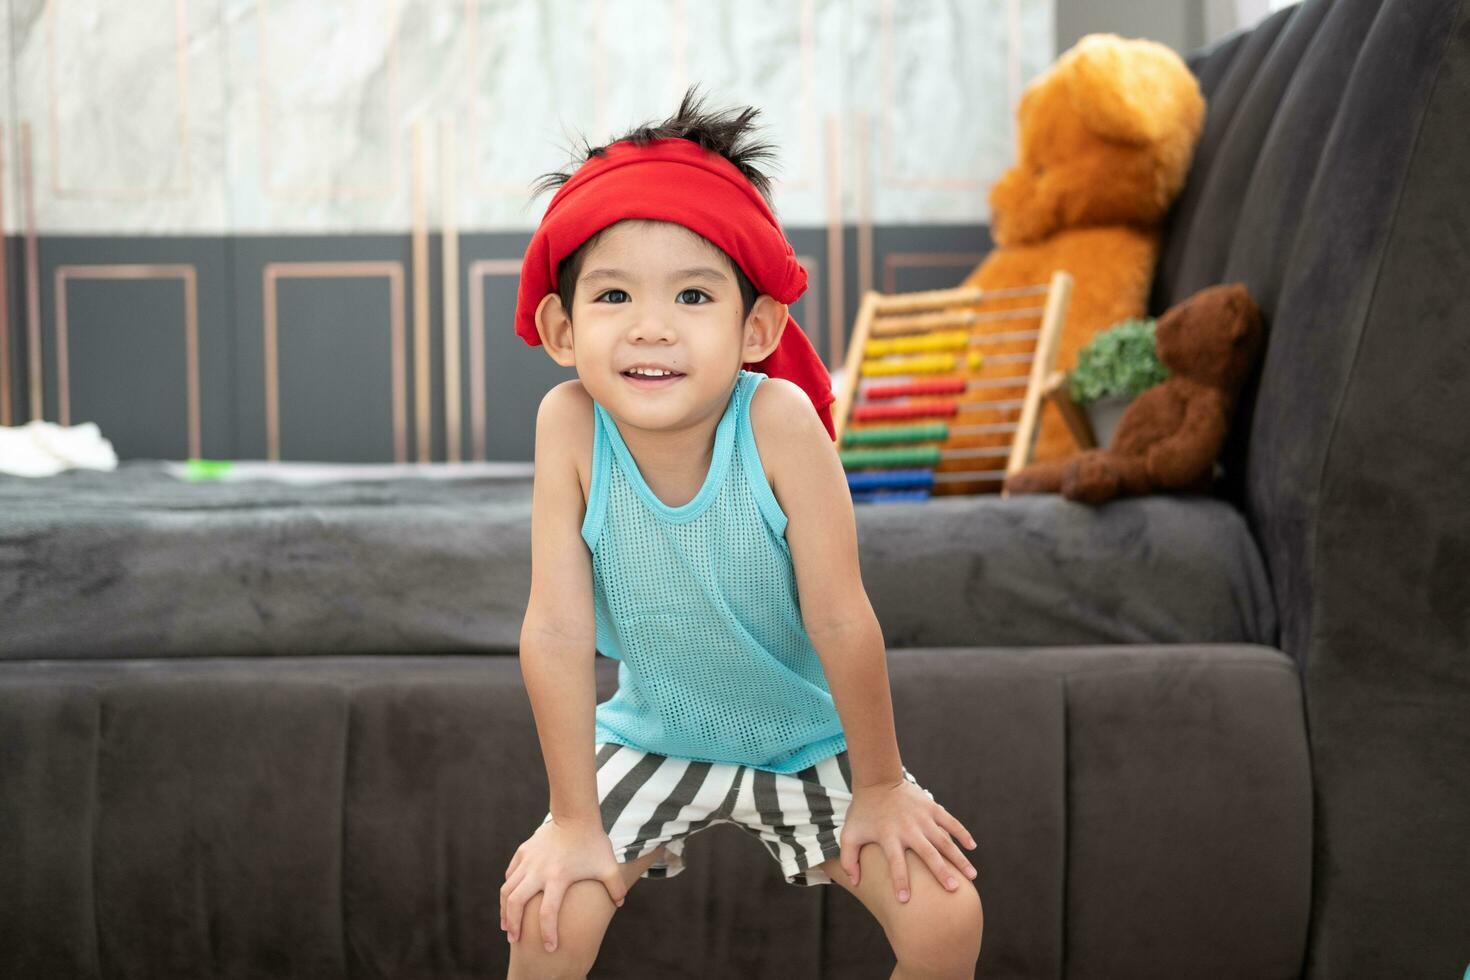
(943, 345)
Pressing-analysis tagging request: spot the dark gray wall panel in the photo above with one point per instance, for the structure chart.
(334, 365)
(335, 385)
(126, 350)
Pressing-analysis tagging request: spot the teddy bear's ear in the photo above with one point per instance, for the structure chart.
(1130, 90)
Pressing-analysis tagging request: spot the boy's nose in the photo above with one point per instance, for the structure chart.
(652, 328)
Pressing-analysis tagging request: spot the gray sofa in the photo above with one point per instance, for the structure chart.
(254, 730)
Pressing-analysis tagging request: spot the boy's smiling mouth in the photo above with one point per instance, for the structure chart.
(648, 376)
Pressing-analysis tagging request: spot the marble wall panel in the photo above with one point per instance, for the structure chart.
(298, 116)
(122, 110)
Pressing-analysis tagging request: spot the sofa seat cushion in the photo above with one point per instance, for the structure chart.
(136, 562)
(1031, 570)
(139, 563)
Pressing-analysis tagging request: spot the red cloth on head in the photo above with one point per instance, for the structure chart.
(679, 181)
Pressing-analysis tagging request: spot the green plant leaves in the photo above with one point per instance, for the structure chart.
(1121, 361)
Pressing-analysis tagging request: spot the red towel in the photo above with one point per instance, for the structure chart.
(679, 181)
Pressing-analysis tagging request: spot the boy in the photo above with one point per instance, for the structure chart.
(681, 504)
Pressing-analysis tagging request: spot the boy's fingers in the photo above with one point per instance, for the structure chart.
(850, 863)
(550, 904)
(515, 879)
(613, 882)
(944, 873)
(514, 905)
(952, 824)
(898, 868)
(506, 890)
(952, 851)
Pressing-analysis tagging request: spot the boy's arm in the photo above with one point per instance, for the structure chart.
(559, 633)
(810, 484)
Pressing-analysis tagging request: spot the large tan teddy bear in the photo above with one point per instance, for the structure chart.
(1105, 140)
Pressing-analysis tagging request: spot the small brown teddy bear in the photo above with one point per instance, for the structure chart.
(1169, 437)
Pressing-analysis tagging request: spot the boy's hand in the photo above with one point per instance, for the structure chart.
(557, 854)
(901, 816)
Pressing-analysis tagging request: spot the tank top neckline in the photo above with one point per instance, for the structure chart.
(713, 478)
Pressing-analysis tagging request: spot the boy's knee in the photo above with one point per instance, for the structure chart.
(581, 923)
(946, 944)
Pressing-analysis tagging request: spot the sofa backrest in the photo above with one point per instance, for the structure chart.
(1332, 179)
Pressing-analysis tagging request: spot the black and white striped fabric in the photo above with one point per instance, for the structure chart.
(649, 799)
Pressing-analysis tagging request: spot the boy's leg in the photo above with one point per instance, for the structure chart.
(585, 913)
(936, 933)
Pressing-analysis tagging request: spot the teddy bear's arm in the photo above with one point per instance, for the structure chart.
(1178, 461)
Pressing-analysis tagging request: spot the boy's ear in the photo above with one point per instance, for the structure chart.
(763, 328)
(555, 329)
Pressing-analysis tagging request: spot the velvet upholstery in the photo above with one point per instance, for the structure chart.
(1332, 181)
(351, 817)
(150, 566)
(1194, 737)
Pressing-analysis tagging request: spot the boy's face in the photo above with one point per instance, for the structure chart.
(652, 293)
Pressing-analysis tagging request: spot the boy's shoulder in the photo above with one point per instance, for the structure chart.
(567, 413)
(786, 429)
(776, 400)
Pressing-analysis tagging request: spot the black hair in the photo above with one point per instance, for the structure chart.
(729, 133)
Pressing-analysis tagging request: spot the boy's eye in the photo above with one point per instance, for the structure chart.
(682, 292)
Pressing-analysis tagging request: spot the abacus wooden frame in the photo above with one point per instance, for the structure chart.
(876, 305)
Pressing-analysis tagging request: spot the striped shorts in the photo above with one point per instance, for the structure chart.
(648, 800)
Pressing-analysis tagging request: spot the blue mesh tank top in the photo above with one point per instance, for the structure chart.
(698, 603)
